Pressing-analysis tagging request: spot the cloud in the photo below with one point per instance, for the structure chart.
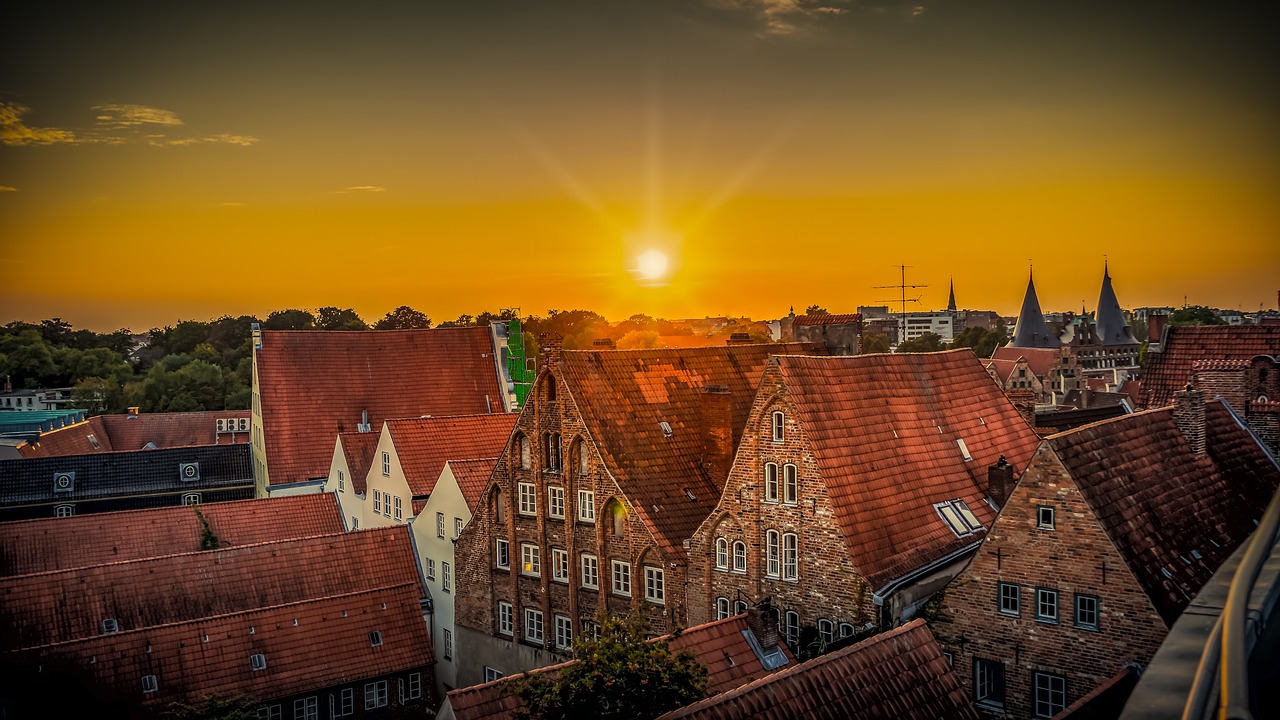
(241, 140)
(15, 132)
(122, 116)
(786, 17)
(365, 188)
(6, 188)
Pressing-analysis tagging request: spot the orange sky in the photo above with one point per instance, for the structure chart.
(165, 162)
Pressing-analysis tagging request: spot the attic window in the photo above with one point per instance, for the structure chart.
(110, 625)
(779, 427)
(666, 428)
(957, 515)
(258, 661)
(689, 494)
(375, 638)
(149, 684)
(964, 449)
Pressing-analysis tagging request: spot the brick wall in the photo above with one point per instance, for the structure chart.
(1075, 557)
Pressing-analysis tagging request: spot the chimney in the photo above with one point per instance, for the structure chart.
(740, 339)
(1000, 481)
(549, 351)
(1155, 327)
(762, 620)
(1025, 402)
(602, 343)
(717, 427)
(1188, 414)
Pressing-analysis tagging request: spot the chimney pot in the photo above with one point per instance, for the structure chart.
(762, 619)
(1000, 481)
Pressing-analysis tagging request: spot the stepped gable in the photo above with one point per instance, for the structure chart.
(884, 431)
(1169, 369)
(1032, 331)
(30, 546)
(424, 445)
(624, 396)
(315, 384)
(1111, 327)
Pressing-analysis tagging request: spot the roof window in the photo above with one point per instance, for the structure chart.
(110, 625)
(258, 661)
(149, 684)
(666, 428)
(964, 449)
(957, 515)
(375, 638)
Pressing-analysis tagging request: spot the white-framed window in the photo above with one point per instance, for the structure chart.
(555, 502)
(1087, 611)
(621, 578)
(530, 560)
(590, 629)
(307, 708)
(375, 695)
(375, 638)
(431, 569)
(533, 625)
(412, 690)
(559, 565)
(1050, 694)
(779, 426)
(491, 674)
(739, 607)
(655, 585)
(957, 515)
(457, 527)
(590, 572)
(270, 712)
(791, 627)
(149, 684)
(771, 482)
(722, 554)
(448, 644)
(446, 577)
(377, 502)
(502, 554)
(846, 630)
(739, 556)
(399, 512)
(586, 506)
(790, 556)
(722, 608)
(772, 554)
(790, 485)
(505, 618)
(1010, 599)
(191, 498)
(1045, 518)
(564, 633)
(528, 499)
(440, 525)
(343, 703)
(64, 510)
(258, 661)
(826, 631)
(342, 481)
(386, 464)
(988, 683)
(110, 625)
(1046, 605)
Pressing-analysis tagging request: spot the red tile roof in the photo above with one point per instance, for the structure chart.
(624, 395)
(29, 546)
(1106, 701)
(358, 449)
(424, 445)
(720, 646)
(826, 319)
(900, 674)
(884, 431)
(472, 476)
(1173, 535)
(1039, 360)
(315, 384)
(691, 341)
(133, 432)
(53, 607)
(1169, 369)
(1003, 368)
(307, 646)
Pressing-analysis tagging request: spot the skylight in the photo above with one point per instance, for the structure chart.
(964, 450)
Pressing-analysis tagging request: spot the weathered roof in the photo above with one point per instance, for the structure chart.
(52, 607)
(1003, 368)
(1169, 368)
(1031, 330)
(1105, 701)
(424, 445)
(315, 384)
(306, 646)
(133, 472)
(841, 319)
(1173, 535)
(30, 546)
(900, 674)
(358, 449)
(134, 432)
(720, 646)
(625, 395)
(885, 431)
(472, 476)
(1111, 327)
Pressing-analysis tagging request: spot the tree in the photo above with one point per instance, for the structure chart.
(619, 676)
(1195, 315)
(638, 339)
(403, 318)
(289, 320)
(874, 342)
(816, 309)
(332, 318)
(984, 342)
(928, 342)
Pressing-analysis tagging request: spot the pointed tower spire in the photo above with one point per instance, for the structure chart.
(1111, 326)
(951, 301)
(1032, 331)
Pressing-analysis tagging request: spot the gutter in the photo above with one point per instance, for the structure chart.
(879, 596)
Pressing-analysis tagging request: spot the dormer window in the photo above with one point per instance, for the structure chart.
(779, 427)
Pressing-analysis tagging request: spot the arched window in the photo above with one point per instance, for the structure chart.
(826, 631)
(771, 553)
(524, 452)
(739, 607)
(790, 557)
(779, 425)
(617, 517)
(792, 627)
(739, 556)
(722, 608)
(771, 482)
(499, 507)
(551, 388)
(580, 456)
(846, 630)
(551, 452)
(790, 484)
(722, 554)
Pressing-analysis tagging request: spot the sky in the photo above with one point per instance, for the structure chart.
(165, 161)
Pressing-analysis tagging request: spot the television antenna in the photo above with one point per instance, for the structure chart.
(902, 287)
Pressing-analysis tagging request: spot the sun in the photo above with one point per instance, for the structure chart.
(652, 265)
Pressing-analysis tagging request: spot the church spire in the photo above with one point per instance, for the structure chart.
(951, 301)
(1032, 331)
(1110, 324)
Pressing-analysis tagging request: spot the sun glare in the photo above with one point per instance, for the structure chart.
(652, 265)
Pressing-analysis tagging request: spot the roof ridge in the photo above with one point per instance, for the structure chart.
(1119, 418)
(114, 513)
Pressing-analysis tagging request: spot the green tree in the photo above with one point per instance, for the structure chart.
(214, 707)
(98, 395)
(289, 320)
(28, 359)
(333, 318)
(874, 342)
(403, 318)
(186, 335)
(984, 342)
(1195, 315)
(638, 339)
(928, 342)
(816, 309)
(619, 676)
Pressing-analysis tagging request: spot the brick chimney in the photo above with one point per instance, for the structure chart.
(1000, 481)
(740, 339)
(717, 427)
(1025, 402)
(1155, 327)
(1188, 414)
(549, 351)
(762, 619)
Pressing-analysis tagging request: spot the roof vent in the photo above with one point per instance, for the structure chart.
(363, 426)
(64, 482)
(666, 428)
(189, 471)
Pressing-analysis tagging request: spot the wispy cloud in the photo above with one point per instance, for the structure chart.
(364, 188)
(6, 188)
(786, 17)
(114, 124)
